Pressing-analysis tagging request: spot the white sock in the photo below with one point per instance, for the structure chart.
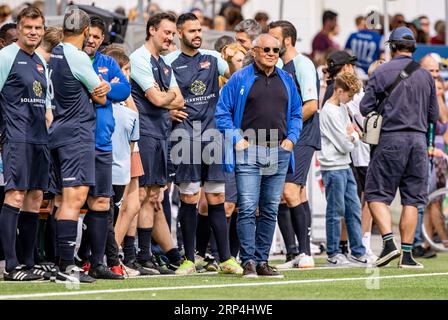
(366, 241)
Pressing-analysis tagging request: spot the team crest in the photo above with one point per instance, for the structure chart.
(40, 68)
(198, 88)
(166, 71)
(205, 65)
(37, 88)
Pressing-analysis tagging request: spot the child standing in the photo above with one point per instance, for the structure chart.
(339, 138)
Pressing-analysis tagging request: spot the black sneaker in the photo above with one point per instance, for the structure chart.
(389, 253)
(429, 253)
(418, 251)
(148, 265)
(21, 273)
(46, 271)
(73, 274)
(249, 270)
(134, 265)
(265, 270)
(290, 256)
(408, 262)
(211, 265)
(103, 272)
(161, 268)
(174, 266)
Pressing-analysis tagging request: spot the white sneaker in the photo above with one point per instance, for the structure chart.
(362, 261)
(371, 257)
(339, 260)
(287, 265)
(305, 261)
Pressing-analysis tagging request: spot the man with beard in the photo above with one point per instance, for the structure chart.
(155, 92)
(197, 73)
(98, 217)
(297, 209)
(72, 136)
(24, 99)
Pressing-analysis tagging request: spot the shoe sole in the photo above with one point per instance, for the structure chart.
(276, 277)
(404, 266)
(250, 276)
(384, 261)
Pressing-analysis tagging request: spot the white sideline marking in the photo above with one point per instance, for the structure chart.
(253, 284)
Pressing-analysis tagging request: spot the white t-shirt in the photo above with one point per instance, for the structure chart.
(127, 130)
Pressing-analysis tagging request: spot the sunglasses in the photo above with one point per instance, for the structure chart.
(267, 49)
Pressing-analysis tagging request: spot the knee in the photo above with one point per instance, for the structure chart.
(291, 197)
(141, 195)
(99, 204)
(15, 198)
(190, 198)
(215, 198)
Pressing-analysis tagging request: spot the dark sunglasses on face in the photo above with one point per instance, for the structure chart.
(267, 49)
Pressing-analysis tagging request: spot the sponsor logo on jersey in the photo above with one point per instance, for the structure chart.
(37, 88)
(40, 68)
(103, 70)
(198, 88)
(205, 65)
(21, 62)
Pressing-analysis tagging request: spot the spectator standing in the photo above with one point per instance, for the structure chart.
(439, 38)
(400, 158)
(322, 41)
(247, 102)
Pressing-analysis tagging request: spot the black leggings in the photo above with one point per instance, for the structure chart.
(111, 245)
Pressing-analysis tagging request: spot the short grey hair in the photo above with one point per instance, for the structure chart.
(249, 26)
(264, 35)
(75, 20)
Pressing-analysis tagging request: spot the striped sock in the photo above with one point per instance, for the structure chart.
(406, 247)
(388, 236)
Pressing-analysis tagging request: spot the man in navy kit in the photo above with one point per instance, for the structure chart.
(97, 218)
(305, 77)
(72, 134)
(155, 92)
(24, 99)
(197, 74)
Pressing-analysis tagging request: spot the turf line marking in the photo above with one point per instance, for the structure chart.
(244, 284)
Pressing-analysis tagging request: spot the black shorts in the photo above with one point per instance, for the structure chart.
(154, 155)
(303, 155)
(74, 165)
(400, 160)
(231, 191)
(103, 175)
(194, 167)
(26, 166)
(360, 177)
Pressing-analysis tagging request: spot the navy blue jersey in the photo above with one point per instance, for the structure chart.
(197, 77)
(146, 71)
(305, 77)
(366, 46)
(23, 96)
(73, 79)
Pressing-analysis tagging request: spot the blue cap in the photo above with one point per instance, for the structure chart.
(402, 34)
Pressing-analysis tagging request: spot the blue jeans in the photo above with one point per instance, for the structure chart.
(342, 202)
(418, 236)
(260, 177)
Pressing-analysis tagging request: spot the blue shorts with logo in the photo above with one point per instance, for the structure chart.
(103, 175)
(74, 165)
(26, 166)
(154, 155)
(400, 160)
(303, 155)
(198, 165)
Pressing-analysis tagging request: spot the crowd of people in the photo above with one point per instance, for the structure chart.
(88, 128)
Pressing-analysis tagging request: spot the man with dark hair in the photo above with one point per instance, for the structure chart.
(246, 31)
(8, 34)
(197, 73)
(24, 99)
(296, 213)
(72, 139)
(365, 44)
(401, 157)
(155, 92)
(98, 217)
(237, 4)
(322, 41)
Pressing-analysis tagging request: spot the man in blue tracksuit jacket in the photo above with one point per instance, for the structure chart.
(96, 220)
(262, 101)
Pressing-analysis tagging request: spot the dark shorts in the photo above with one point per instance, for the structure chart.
(171, 167)
(360, 177)
(154, 155)
(26, 166)
(196, 168)
(74, 165)
(399, 161)
(303, 155)
(103, 175)
(231, 192)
